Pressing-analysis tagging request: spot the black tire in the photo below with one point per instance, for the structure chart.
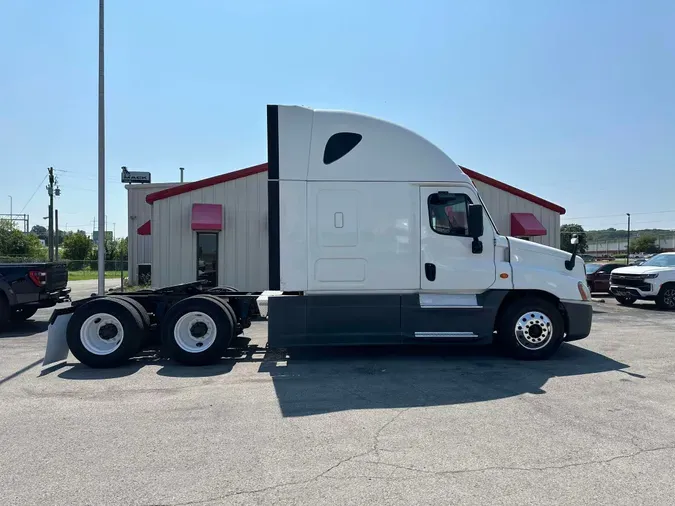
(625, 301)
(132, 326)
(223, 327)
(666, 297)
(545, 329)
(145, 317)
(230, 311)
(22, 314)
(4, 310)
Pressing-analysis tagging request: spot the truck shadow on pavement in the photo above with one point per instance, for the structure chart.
(317, 382)
(24, 329)
(326, 380)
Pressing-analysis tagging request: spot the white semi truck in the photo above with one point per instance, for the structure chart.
(375, 237)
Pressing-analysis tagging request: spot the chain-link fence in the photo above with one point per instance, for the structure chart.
(80, 269)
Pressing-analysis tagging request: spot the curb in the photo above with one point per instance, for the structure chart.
(593, 299)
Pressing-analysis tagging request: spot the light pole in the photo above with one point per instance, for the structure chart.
(11, 213)
(101, 154)
(628, 241)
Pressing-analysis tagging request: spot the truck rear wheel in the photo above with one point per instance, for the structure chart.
(22, 314)
(145, 317)
(197, 330)
(666, 297)
(231, 312)
(105, 332)
(531, 329)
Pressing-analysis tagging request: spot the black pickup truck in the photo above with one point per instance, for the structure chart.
(25, 288)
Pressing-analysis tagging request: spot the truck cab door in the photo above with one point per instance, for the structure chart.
(448, 261)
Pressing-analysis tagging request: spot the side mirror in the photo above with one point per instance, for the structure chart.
(569, 264)
(475, 220)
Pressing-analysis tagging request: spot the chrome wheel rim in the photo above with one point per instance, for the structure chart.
(101, 334)
(533, 330)
(195, 332)
(669, 297)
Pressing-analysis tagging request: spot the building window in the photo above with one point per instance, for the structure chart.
(339, 145)
(448, 213)
(207, 258)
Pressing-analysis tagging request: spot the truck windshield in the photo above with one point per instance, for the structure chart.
(662, 260)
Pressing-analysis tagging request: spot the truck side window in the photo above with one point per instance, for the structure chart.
(339, 145)
(448, 213)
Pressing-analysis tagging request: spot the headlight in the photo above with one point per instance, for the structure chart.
(584, 291)
(651, 276)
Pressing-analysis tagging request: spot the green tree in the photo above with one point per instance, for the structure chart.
(110, 249)
(123, 249)
(39, 231)
(566, 233)
(644, 244)
(14, 243)
(76, 246)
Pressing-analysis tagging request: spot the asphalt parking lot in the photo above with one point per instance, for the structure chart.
(593, 425)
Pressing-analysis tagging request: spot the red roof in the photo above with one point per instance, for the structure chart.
(205, 183)
(513, 190)
(257, 169)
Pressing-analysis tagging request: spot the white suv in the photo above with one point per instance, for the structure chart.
(652, 280)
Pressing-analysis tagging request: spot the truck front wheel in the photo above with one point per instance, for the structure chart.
(531, 329)
(666, 297)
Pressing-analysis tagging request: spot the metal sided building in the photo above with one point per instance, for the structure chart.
(216, 229)
(139, 214)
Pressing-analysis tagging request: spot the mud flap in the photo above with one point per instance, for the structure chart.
(57, 346)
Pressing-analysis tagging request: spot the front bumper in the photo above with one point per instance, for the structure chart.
(579, 318)
(631, 291)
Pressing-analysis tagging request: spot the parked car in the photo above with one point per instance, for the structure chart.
(653, 280)
(597, 276)
(25, 288)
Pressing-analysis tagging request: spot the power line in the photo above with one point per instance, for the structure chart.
(79, 175)
(34, 193)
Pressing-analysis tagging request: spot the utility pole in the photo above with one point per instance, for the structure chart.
(50, 192)
(11, 211)
(56, 226)
(628, 241)
(101, 153)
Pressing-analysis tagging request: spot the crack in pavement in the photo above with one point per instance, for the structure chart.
(533, 468)
(376, 449)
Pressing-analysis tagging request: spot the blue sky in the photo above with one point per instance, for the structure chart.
(573, 101)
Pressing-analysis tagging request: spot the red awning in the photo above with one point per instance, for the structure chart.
(526, 225)
(207, 217)
(144, 229)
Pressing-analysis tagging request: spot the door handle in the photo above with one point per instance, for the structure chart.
(430, 271)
